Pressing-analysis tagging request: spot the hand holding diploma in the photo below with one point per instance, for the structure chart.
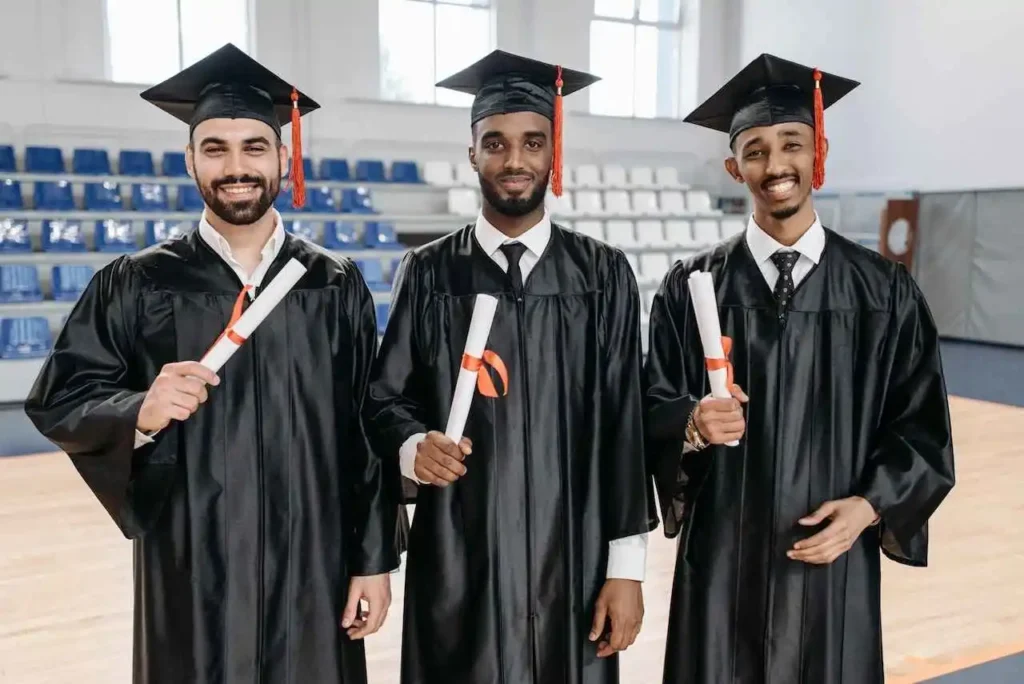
(719, 417)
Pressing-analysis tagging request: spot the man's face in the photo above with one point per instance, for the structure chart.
(512, 156)
(237, 165)
(777, 164)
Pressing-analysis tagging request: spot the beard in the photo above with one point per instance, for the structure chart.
(512, 206)
(244, 212)
(786, 212)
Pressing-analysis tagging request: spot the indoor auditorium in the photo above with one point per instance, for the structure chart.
(909, 144)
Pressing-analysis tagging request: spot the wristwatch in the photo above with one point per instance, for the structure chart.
(693, 436)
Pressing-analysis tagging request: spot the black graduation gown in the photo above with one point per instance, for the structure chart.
(504, 566)
(249, 518)
(846, 398)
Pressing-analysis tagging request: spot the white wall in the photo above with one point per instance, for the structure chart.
(54, 90)
(941, 94)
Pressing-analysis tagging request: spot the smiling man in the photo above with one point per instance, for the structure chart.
(527, 551)
(839, 407)
(260, 516)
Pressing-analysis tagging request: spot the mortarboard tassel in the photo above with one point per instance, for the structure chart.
(556, 156)
(819, 134)
(298, 172)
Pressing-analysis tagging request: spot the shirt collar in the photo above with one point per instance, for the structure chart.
(220, 245)
(535, 239)
(762, 245)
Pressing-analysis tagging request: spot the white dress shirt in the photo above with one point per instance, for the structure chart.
(627, 557)
(762, 245)
(219, 245)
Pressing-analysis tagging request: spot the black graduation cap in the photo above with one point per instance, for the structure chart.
(504, 83)
(771, 90)
(229, 84)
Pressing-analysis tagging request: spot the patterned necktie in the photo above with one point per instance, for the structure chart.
(784, 261)
(513, 251)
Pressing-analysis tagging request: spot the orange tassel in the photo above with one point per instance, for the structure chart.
(819, 134)
(298, 172)
(556, 157)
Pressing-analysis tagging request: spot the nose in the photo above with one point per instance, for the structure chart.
(233, 164)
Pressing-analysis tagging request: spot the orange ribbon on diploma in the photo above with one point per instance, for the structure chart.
(723, 363)
(484, 384)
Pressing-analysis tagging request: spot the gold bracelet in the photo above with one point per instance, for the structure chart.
(693, 435)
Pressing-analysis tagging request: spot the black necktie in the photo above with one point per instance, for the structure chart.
(513, 251)
(784, 261)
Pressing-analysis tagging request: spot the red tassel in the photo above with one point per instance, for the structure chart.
(819, 134)
(556, 156)
(298, 172)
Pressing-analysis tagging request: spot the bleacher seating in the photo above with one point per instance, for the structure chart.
(19, 283)
(68, 281)
(382, 317)
(14, 236)
(24, 337)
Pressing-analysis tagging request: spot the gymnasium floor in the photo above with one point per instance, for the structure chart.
(65, 572)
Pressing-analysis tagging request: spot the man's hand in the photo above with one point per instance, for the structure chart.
(439, 460)
(721, 420)
(376, 591)
(622, 602)
(175, 394)
(849, 518)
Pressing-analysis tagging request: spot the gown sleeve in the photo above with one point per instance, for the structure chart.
(911, 468)
(627, 494)
(373, 508)
(673, 385)
(86, 401)
(396, 403)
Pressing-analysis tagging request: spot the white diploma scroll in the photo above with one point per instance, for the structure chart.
(465, 386)
(705, 308)
(230, 342)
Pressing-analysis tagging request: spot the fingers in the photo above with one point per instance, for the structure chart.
(825, 510)
(834, 531)
(738, 392)
(194, 369)
(439, 460)
(377, 595)
(349, 615)
(435, 473)
(822, 554)
(623, 634)
(600, 615)
(466, 446)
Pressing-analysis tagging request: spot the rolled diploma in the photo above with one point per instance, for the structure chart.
(465, 386)
(705, 308)
(260, 308)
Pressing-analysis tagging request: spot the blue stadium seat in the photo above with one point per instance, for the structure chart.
(405, 172)
(283, 203)
(104, 196)
(173, 164)
(303, 229)
(14, 236)
(357, 201)
(340, 235)
(373, 274)
(135, 163)
(115, 236)
(150, 197)
(24, 337)
(10, 194)
(381, 236)
(370, 171)
(7, 161)
(335, 170)
(307, 168)
(395, 263)
(382, 317)
(90, 162)
(321, 200)
(63, 236)
(158, 231)
(54, 196)
(69, 281)
(189, 198)
(19, 283)
(39, 159)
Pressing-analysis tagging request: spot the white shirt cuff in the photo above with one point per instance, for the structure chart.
(627, 558)
(407, 457)
(142, 440)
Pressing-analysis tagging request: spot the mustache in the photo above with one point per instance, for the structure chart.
(787, 176)
(513, 174)
(237, 180)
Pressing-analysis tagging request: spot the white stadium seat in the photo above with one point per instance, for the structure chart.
(588, 176)
(698, 201)
(560, 206)
(616, 203)
(641, 177)
(733, 226)
(463, 202)
(590, 228)
(667, 178)
(679, 232)
(466, 176)
(705, 232)
(439, 173)
(645, 203)
(620, 234)
(651, 233)
(653, 267)
(588, 203)
(673, 202)
(614, 177)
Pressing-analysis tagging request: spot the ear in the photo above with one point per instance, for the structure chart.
(285, 159)
(472, 158)
(733, 169)
(190, 166)
(824, 152)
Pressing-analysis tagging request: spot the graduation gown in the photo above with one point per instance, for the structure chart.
(504, 565)
(249, 518)
(846, 398)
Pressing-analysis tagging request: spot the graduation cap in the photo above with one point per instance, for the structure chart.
(229, 84)
(771, 90)
(504, 83)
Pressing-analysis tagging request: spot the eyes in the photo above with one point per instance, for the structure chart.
(791, 147)
(252, 149)
(533, 144)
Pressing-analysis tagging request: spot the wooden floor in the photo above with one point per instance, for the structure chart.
(65, 574)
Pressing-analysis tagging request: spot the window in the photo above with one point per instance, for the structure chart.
(152, 40)
(423, 41)
(635, 47)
